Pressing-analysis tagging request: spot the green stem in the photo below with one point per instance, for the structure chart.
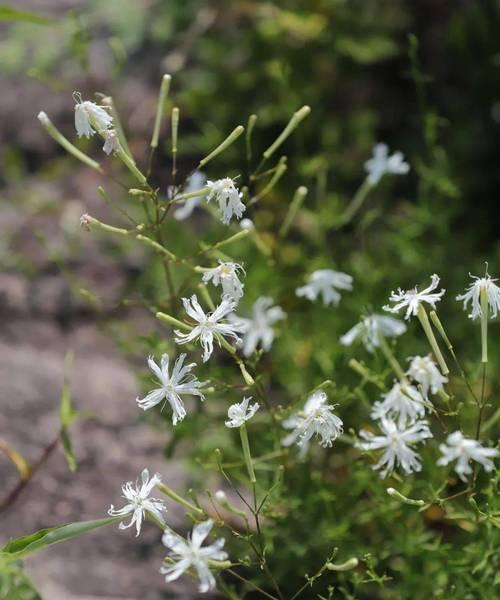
(164, 87)
(356, 203)
(293, 209)
(294, 122)
(484, 325)
(232, 137)
(164, 489)
(391, 359)
(65, 143)
(424, 321)
(246, 453)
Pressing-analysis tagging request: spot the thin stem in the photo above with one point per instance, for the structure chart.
(251, 584)
(484, 324)
(391, 359)
(247, 454)
(355, 204)
(481, 403)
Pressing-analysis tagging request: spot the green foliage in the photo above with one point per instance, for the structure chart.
(14, 583)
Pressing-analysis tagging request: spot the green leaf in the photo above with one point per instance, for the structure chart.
(8, 13)
(67, 415)
(68, 449)
(46, 537)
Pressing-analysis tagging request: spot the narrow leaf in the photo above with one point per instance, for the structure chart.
(22, 546)
(8, 13)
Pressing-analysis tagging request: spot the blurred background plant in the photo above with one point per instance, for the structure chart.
(422, 77)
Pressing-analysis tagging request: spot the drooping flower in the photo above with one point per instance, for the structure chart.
(195, 183)
(463, 450)
(325, 282)
(111, 142)
(411, 299)
(209, 325)
(90, 117)
(381, 163)
(396, 442)
(226, 275)
(258, 329)
(173, 386)
(189, 553)
(316, 418)
(403, 402)
(424, 371)
(370, 328)
(228, 197)
(139, 502)
(473, 294)
(239, 414)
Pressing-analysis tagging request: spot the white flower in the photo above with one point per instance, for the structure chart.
(402, 401)
(258, 329)
(396, 445)
(229, 198)
(463, 450)
(424, 371)
(195, 183)
(208, 324)
(139, 502)
(240, 413)
(412, 298)
(325, 282)
(370, 328)
(188, 553)
(226, 275)
(90, 117)
(381, 163)
(473, 293)
(316, 418)
(111, 142)
(172, 386)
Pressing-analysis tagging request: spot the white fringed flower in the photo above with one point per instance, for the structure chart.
(195, 183)
(189, 553)
(424, 371)
(173, 387)
(316, 418)
(226, 275)
(111, 142)
(370, 328)
(396, 442)
(325, 282)
(258, 329)
(463, 450)
(90, 117)
(473, 294)
(411, 299)
(239, 414)
(209, 325)
(403, 402)
(381, 163)
(228, 197)
(139, 502)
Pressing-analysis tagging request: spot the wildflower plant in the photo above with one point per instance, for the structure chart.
(286, 426)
